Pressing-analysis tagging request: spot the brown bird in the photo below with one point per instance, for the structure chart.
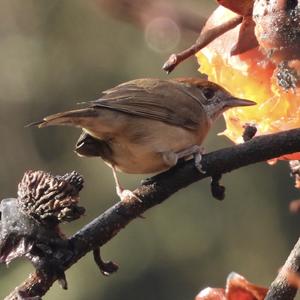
(146, 125)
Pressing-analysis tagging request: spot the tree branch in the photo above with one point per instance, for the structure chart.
(155, 190)
(283, 287)
(205, 38)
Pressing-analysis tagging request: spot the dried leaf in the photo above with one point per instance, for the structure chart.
(246, 39)
(211, 294)
(237, 288)
(241, 7)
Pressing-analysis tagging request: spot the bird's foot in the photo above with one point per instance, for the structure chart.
(197, 160)
(126, 195)
(196, 151)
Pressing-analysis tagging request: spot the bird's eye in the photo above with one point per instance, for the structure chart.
(208, 93)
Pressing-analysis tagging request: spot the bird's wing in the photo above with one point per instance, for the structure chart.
(161, 100)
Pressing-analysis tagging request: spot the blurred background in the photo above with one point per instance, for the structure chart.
(54, 54)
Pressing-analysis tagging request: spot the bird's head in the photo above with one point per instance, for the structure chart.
(214, 98)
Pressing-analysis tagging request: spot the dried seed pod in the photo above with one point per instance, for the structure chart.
(270, 26)
(29, 224)
(50, 199)
(278, 28)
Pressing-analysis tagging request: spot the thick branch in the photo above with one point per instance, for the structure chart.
(283, 288)
(157, 189)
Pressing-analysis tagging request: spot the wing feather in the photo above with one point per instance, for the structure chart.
(160, 100)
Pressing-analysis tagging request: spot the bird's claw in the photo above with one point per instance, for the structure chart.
(127, 195)
(197, 159)
(200, 168)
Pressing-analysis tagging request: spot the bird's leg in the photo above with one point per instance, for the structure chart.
(171, 158)
(123, 194)
(119, 189)
(197, 152)
(198, 158)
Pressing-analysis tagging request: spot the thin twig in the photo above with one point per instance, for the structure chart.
(156, 190)
(205, 37)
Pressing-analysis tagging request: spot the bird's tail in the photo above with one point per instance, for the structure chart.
(72, 118)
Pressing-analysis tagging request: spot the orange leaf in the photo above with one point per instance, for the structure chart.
(237, 288)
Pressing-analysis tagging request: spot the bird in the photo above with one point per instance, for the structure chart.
(146, 125)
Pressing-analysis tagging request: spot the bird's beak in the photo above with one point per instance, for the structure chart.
(235, 102)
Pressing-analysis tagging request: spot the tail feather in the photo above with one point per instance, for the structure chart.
(72, 118)
(38, 123)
